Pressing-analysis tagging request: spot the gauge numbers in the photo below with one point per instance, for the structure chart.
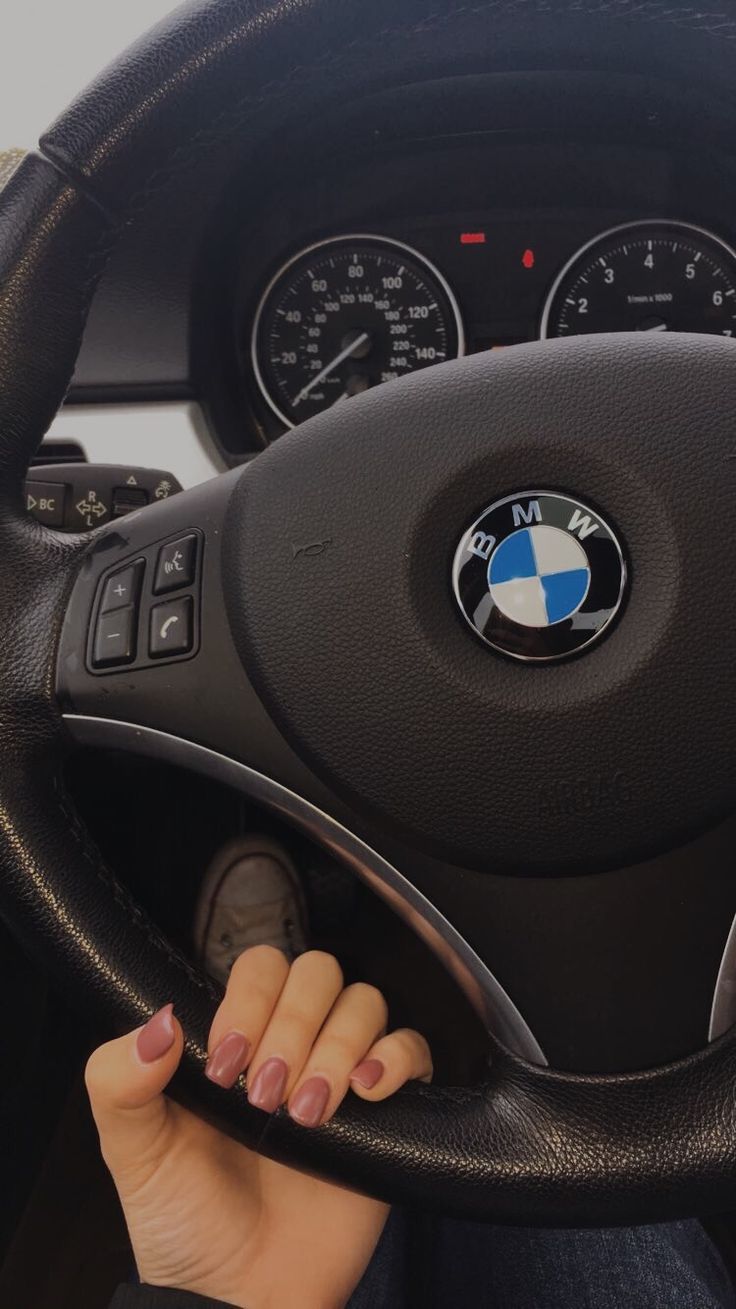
(348, 314)
(646, 277)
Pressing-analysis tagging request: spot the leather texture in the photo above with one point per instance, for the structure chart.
(243, 67)
(530, 1145)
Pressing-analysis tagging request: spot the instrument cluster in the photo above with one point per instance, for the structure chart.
(357, 310)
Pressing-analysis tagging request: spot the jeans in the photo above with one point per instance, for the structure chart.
(473, 1266)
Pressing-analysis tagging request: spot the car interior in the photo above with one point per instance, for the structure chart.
(306, 311)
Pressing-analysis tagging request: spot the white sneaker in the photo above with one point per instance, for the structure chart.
(250, 895)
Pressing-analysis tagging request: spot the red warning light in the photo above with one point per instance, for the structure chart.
(472, 238)
(527, 259)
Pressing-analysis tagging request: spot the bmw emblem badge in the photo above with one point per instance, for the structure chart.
(539, 576)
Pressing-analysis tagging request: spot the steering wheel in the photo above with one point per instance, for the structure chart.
(291, 629)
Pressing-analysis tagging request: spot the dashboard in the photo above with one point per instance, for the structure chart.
(418, 255)
(461, 215)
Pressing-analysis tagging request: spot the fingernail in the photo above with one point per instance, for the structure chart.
(157, 1037)
(310, 1102)
(368, 1074)
(268, 1086)
(228, 1059)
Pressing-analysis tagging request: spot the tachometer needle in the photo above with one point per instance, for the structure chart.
(329, 368)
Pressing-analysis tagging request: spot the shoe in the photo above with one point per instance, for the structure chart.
(250, 895)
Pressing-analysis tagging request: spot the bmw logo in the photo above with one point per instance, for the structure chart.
(539, 576)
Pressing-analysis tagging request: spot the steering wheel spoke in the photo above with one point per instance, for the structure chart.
(171, 686)
(146, 639)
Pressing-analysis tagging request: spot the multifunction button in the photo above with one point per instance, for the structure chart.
(177, 563)
(115, 638)
(45, 500)
(128, 627)
(122, 588)
(171, 628)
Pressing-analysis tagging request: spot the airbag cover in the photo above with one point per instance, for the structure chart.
(337, 569)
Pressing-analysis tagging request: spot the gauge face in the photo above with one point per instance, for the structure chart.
(348, 314)
(646, 277)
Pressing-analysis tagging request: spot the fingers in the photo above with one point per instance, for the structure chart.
(402, 1056)
(256, 981)
(125, 1080)
(309, 993)
(304, 1041)
(356, 1020)
(269, 1019)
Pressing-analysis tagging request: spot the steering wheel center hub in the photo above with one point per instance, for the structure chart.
(362, 652)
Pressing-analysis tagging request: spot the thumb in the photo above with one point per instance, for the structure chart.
(125, 1080)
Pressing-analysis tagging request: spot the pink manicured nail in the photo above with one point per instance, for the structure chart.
(368, 1074)
(269, 1085)
(228, 1059)
(310, 1102)
(157, 1037)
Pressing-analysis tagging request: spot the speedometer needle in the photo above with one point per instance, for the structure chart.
(333, 364)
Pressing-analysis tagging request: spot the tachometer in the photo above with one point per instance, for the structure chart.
(347, 314)
(646, 277)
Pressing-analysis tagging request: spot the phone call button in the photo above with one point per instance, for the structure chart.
(172, 628)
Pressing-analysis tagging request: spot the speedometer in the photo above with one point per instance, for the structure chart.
(347, 314)
(646, 277)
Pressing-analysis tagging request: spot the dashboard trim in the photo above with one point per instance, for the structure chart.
(161, 434)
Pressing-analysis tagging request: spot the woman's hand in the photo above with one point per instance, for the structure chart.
(208, 1215)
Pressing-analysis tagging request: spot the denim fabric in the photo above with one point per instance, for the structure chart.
(473, 1266)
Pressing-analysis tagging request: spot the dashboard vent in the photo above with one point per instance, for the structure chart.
(58, 452)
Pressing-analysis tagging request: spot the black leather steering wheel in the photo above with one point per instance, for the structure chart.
(331, 675)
